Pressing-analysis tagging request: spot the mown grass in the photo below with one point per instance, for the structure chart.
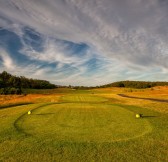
(84, 123)
(82, 127)
(14, 105)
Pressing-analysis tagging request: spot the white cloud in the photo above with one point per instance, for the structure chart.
(130, 34)
(7, 61)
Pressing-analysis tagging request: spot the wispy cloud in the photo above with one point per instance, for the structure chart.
(6, 60)
(85, 42)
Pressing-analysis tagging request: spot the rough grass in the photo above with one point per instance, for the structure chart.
(9, 100)
(84, 127)
(157, 92)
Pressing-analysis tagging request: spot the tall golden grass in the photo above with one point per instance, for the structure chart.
(30, 98)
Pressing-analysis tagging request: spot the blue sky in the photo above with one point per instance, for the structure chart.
(83, 42)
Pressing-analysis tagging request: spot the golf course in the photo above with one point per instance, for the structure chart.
(95, 125)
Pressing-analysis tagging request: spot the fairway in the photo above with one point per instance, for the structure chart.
(83, 98)
(82, 126)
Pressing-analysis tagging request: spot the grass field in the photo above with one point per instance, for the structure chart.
(91, 125)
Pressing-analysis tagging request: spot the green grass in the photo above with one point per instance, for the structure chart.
(53, 91)
(14, 105)
(83, 123)
(83, 98)
(82, 127)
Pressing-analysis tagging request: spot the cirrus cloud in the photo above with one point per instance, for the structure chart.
(85, 42)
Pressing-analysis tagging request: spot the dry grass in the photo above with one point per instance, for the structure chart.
(156, 92)
(31, 98)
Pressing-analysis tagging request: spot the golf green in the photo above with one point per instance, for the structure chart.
(83, 122)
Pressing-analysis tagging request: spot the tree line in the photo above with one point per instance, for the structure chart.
(136, 84)
(10, 84)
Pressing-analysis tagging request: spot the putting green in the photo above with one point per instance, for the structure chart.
(83, 122)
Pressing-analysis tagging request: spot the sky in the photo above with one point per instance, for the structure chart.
(85, 42)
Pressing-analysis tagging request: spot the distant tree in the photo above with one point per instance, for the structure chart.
(10, 84)
(1, 83)
(135, 84)
(120, 84)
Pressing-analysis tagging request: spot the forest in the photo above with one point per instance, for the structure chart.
(10, 84)
(136, 84)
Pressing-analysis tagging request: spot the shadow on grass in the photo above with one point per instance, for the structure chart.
(44, 114)
(149, 116)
